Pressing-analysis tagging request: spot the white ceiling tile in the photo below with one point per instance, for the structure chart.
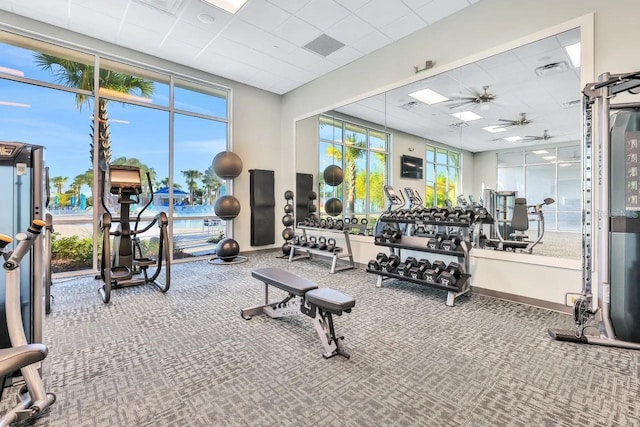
(473, 1)
(344, 55)
(181, 53)
(102, 27)
(147, 17)
(297, 31)
(230, 49)
(291, 6)
(112, 8)
(322, 13)
(140, 39)
(372, 41)
(382, 12)
(416, 4)
(229, 68)
(193, 9)
(310, 61)
(438, 9)
(54, 12)
(353, 5)
(262, 14)
(403, 27)
(257, 38)
(349, 30)
(186, 33)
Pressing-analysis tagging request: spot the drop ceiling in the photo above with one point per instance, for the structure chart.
(550, 99)
(262, 45)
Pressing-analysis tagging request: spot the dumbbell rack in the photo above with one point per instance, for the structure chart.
(418, 243)
(305, 252)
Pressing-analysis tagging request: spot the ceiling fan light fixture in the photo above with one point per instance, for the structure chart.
(428, 96)
(573, 50)
(513, 138)
(231, 6)
(467, 116)
(494, 129)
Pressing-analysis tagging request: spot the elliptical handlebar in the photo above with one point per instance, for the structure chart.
(135, 228)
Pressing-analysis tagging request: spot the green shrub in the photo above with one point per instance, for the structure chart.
(71, 248)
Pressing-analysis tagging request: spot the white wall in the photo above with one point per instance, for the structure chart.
(256, 119)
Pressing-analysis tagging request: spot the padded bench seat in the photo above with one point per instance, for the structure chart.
(284, 280)
(330, 300)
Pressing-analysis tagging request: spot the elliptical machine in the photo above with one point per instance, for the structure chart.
(128, 259)
(33, 399)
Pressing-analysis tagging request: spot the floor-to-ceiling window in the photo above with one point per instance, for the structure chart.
(169, 126)
(442, 180)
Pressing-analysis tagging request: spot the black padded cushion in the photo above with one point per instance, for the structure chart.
(330, 300)
(284, 280)
(12, 359)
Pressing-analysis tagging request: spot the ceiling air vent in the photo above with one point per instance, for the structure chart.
(323, 45)
(409, 105)
(553, 68)
(169, 6)
(459, 125)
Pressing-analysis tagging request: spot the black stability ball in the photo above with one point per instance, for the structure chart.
(333, 207)
(227, 165)
(287, 220)
(288, 208)
(286, 248)
(333, 175)
(227, 207)
(288, 195)
(312, 208)
(227, 249)
(313, 195)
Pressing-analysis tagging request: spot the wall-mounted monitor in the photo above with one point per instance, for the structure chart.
(411, 167)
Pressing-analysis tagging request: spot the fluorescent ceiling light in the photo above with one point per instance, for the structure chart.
(428, 96)
(564, 164)
(540, 152)
(467, 116)
(115, 94)
(513, 138)
(15, 104)
(124, 122)
(549, 157)
(494, 129)
(12, 71)
(231, 6)
(573, 50)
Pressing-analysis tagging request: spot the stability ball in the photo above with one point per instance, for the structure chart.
(333, 207)
(333, 175)
(227, 165)
(227, 207)
(227, 249)
(313, 195)
(286, 248)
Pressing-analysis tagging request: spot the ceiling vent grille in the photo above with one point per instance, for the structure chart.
(324, 45)
(553, 68)
(168, 6)
(459, 125)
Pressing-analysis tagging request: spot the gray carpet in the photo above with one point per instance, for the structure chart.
(187, 358)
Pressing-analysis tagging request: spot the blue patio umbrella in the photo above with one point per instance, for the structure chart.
(83, 202)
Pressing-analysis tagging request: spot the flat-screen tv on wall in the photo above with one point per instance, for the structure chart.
(411, 167)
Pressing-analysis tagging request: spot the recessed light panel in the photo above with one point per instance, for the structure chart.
(428, 96)
(573, 50)
(467, 116)
(540, 152)
(494, 129)
(513, 138)
(231, 6)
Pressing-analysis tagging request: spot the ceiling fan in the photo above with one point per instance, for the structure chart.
(522, 121)
(476, 98)
(544, 137)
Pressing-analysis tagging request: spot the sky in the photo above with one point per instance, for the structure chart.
(50, 118)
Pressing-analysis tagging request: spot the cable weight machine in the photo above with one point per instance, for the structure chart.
(610, 314)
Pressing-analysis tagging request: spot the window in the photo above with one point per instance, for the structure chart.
(550, 172)
(168, 126)
(442, 170)
(362, 154)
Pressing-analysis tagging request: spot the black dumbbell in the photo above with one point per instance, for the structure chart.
(380, 238)
(452, 243)
(417, 271)
(435, 242)
(431, 274)
(420, 230)
(373, 265)
(451, 275)
(313, 242)
(322, 243)
(403, 269)
(411, 261)
(393, 263)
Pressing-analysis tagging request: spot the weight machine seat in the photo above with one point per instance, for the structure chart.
(14, 358)
(330, 300)
(284, 280)
(520, 218)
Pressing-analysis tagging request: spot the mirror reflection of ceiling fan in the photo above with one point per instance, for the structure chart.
(476, 98)
(544, 137)
(522, 121)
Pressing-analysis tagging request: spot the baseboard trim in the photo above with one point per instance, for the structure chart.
(523, 300)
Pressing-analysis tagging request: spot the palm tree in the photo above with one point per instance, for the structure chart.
(191, 175)
(58, 182)
(354, 151)
(211, 183)
(81, 76)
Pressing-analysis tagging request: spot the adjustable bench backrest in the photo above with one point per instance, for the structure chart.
(284, 280)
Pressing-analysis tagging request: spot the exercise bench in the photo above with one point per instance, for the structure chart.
(304, 297)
